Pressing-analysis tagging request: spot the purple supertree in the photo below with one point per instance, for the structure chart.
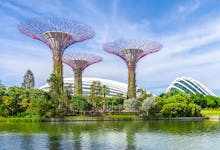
(131, 51)
(78, 62)
(58, 34)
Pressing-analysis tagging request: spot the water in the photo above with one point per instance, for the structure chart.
(149, 135)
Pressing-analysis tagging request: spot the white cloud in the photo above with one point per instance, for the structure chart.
(189, 7)
(177, 58)
(155, 72)
(186, 9)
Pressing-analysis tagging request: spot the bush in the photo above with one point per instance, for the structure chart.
(178, 104)
(148, 103)
(212, 102)
(193, 110)
(180, 110)
(4, 111)
(131, 105)
(41, 108)
(174, 110)
(79, 103)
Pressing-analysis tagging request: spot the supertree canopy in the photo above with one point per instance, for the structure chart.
(78, 62)
(131, 51)
(58, 34)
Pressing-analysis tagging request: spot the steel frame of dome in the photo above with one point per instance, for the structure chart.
(186, 84)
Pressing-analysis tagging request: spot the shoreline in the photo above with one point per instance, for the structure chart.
(100, 118)
(123, 119)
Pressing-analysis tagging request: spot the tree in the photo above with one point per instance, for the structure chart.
(28, 82)
(1, 85)
(104, 92)
(95, 88)
(142, 94)
(95, 92)
(131, 105)
(12, 100)
(79, 103)
(148, 103)
(55, 91)
(2, 90)
(117, 101)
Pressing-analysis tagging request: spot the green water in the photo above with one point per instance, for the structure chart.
(149, 135)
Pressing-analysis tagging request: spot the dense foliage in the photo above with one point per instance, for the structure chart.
(20, 101)
(179, 104)
(80, 103)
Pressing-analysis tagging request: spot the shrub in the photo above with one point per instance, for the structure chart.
(174, 110)
(148, 103)
(4, 111)
(41, 108)
(79, 103)
(131, 105)
(193, 110)
(181, 110)
(212, 102)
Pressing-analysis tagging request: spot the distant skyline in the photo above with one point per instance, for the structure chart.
(188, 30)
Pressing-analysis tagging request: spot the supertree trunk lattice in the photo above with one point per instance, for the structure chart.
(131, 51)
(78, 62)
(57, 34)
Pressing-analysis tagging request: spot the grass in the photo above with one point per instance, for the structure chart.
(28, 119)
(18, 119)
(210, 112)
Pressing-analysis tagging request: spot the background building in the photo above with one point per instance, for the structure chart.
(186, 84)
(115, 87)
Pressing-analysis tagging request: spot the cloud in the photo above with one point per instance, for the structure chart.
(189, 7)
(188, 50)
(178, 56)
(186, 9)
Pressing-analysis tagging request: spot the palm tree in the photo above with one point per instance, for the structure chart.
(104, 92)
(95, 91)
(141, 92)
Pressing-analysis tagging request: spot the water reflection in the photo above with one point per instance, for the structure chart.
(111, 135)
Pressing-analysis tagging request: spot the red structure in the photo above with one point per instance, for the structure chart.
(131, 51)
(57, 34)
(78, 62)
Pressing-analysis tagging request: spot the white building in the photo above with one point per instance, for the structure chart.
(186, 84)
(115, 87)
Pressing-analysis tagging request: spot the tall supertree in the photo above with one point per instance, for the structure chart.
(131, 51)
(57, 34)
(78, 62)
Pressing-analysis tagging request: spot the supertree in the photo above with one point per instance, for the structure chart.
(131, 51)
(57, 34)
(78, 62)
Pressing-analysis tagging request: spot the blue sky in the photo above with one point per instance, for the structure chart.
(189, 31)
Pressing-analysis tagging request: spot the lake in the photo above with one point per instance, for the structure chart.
(149, 135)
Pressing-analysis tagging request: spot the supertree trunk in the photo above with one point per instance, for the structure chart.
(57, 66)
(131, 81)
(78, 83)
